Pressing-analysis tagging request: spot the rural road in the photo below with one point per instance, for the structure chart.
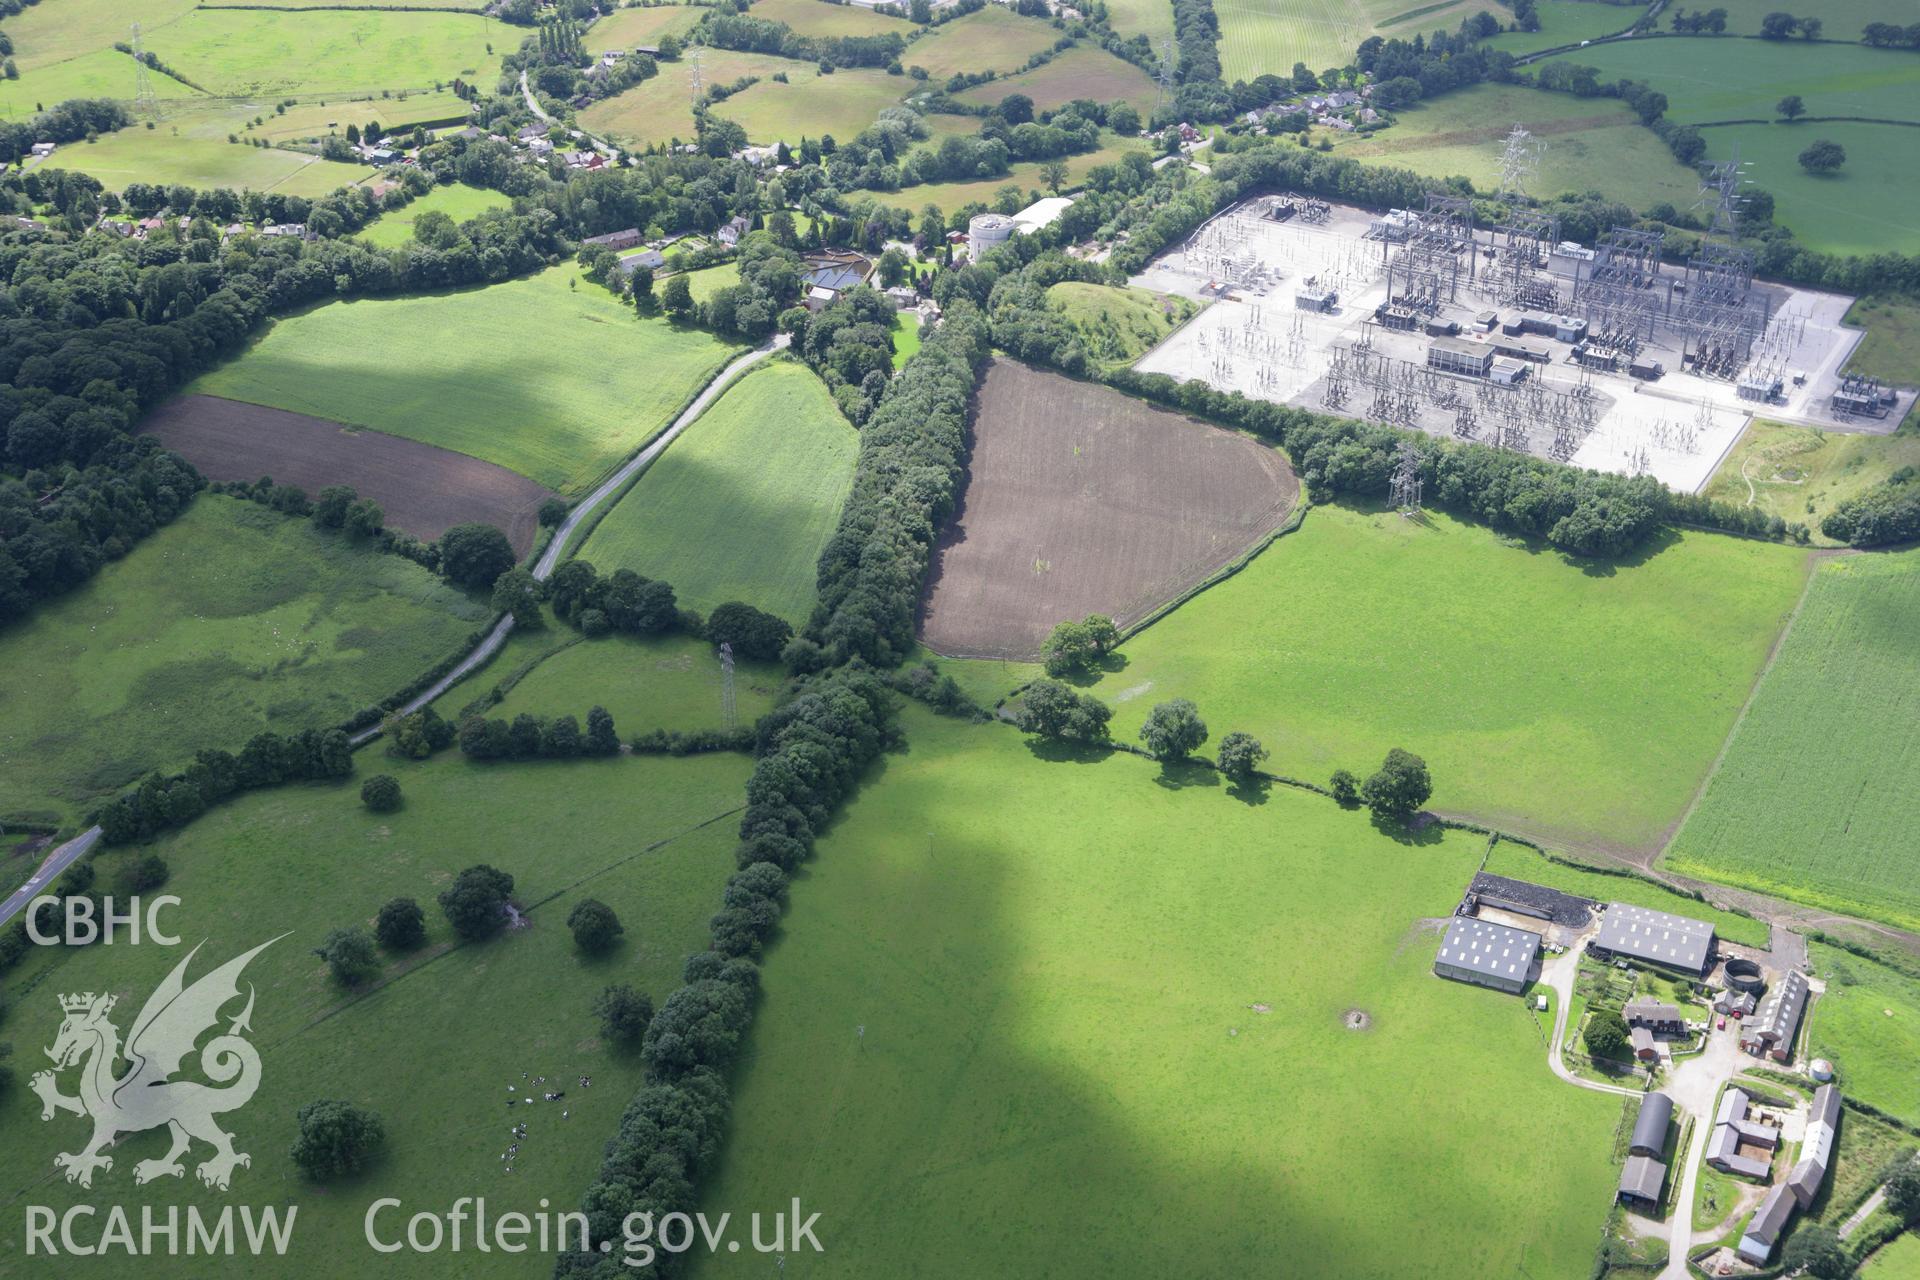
(1865, 1211)
(550, 558)
(1563, 968)
(59, 860)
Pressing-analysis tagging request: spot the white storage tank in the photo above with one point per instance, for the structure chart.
(988, 231)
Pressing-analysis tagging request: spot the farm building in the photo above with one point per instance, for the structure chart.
(1816, 1149)
(1642, 1180)
(1654, 1016)
(1643, 1046)
(1458, 355)
(1764, 1228)
(1041, 213)
(1737, 1003)
(651, 259)
(625, 239)
(1522, 897)
(1650, 1126)
(1487, 954)
(1740, 1145)
(1641, 933)
(1770, 1031)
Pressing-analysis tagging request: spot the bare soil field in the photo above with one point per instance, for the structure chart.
(1082, 500)
(424, 490)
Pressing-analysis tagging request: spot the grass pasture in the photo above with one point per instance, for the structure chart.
(960, 974)
(818, 18)
(1149, 18)
(811, 104)
(102, 73)
(230, 620)
(1872, 205)
(1570, 702)
(1810, 799)
(1890, 350)
(658, 110)
(1568, 22)
(626, 28)
(1840, 19)
(549, 376)
(434, 1046)
(1026, 176)
(1803, 473)
(666, 682)
(457, 200)
(741, 504)
(1868, 1024)
(138, 155)
(1261, 36)
(1721, 79)
(991, 39)
(1080, 72)
(1591, 144)
(245, 52)
(1897, 1260)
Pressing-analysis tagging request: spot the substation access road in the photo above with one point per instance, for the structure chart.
(73, 850)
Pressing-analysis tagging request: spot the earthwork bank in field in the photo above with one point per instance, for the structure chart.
(1814, 797)
(423, 490)
(1002, 964)
(1082, 500)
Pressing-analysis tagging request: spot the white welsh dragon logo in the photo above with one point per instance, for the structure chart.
(145, 1097)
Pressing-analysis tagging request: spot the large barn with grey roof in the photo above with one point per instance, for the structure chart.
(1654, 937)
(1487, 954)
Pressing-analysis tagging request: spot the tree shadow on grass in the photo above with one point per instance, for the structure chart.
(1606, 567)
(1065, 751)
(1419, 830)
(1109, 664)
(1178, 775)
(1252, 790)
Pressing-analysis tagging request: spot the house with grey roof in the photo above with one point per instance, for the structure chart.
(1764, 1228)
(1487, 954)
(1739, 1144)
(1655, 937)
(1654, 1016)
(1816, 1149)
(1770, 1031)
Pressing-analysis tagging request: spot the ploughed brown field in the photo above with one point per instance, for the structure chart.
(1082, 500)
(424, 490)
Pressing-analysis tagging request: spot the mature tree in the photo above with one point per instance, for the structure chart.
(1174, 730)
(1824, 156)
(560, 738)
(401, 925)
(336, 1139)
(330, 507)
(1123, 119)
(349, 955)
(595, 928)
(552, 513)
(893, 267)
(1054, 174)
(1778, 26)
(1399, 788)
(1903, 1191)
(1810, 28)
(1239, 755)
(1606, 1034)
(381, 793)
(676, 299)
(1791, 107)
(1815, 1248)
(601, 738)
(752, 632)
(1016, 108)
(476, 904)
(364, 519)
(519, 593)
(1345, 787)
(1077, 646)
(474, 555)
(1052, 710)
(624, 1014)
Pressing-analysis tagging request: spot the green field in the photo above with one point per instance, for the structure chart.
(1149, 18)
(1868, 1024)
(1568, 22)
(740, 506)
(1080, 72)
(549, 376)
(1870, 206)
(1575, 702)
(139, 155)
(1521, 863)
(1018, 1005)
(906, 337)
(810, 105)
(1899, 1260)
(1841, 19)
(818, 18)
(1890, 349)
(1587, 144)
(240, 52)
(1261, 36)
(625, 28)
(646, 683)
(230, 620)
(1720, 79)
(660, 110)
(1811, 799)
(1803, 473)
(104, 73)
(434, 1048)
(1118, 325)
(991, 39)
(457, 200)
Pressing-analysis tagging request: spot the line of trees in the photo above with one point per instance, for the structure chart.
(749, 34)
(162, 801)
(529, 737)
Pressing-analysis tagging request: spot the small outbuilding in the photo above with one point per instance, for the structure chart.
(1459, 355)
